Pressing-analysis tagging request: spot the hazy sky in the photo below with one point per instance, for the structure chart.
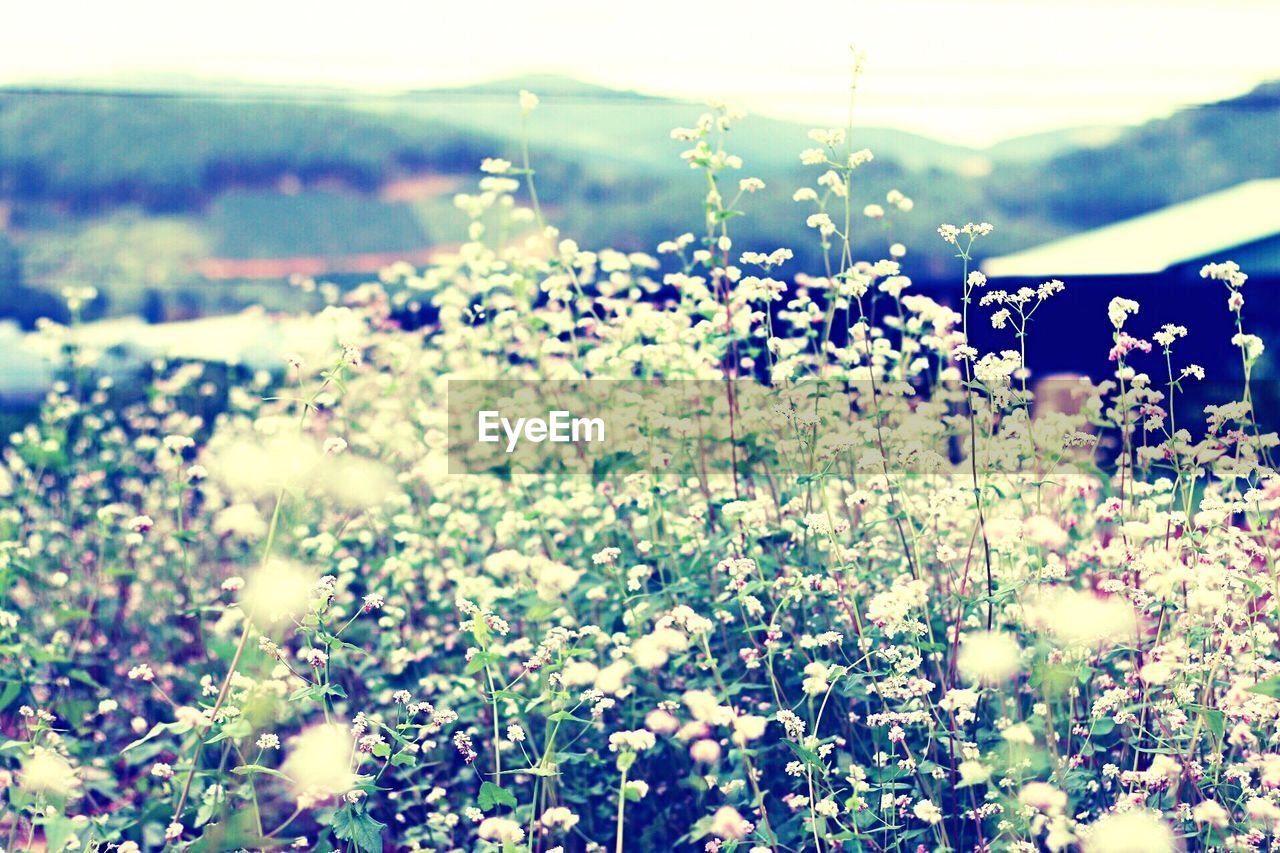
(966, 70)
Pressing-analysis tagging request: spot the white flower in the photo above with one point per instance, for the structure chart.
(1119, 310)
(860, 157)
(1019, 733)
(823, 136)
(1168, 334)
(1210, 812)
(633, 741)
(319, 763)
(961, 703)
(528, 101)
(728, 824)
(661, 722)
(892, 609)
(1157, 672)
(834, 182)
(241, 520)
(178, 443)
(706, 708)
(47, 772)
(1129, 832)
(1262, 809)
(816, 682)
(1227, 271)
(1083, 619)
(559, 817)
(822, 222)
(613, 678)
(974, 772)
(989, 657)
(500, 829)
(748, 727)
(1251, 345)
(926, 811)
(705, 751)
(1043, 796)
(277, 591)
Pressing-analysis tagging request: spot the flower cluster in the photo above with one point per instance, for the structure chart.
(921, 611)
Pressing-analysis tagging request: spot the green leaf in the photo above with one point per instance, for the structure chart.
(58, 830)
(539, 770)
(254, 769)
(1216, 721)
(311, 692)
(561, 716)
(404, 759)
(83, 677)
(237, 831)
(539, 610)
(9, 693)
(70, 614)
(237, 728)
(507, 694)
(381, 750)
(492, 795)
(177, 728)
(808, 756)
(1270, 687)
(317, 692)
(358, 827)
(339, 643)
(479, 662)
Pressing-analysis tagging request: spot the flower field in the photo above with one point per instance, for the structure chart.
(261, 611)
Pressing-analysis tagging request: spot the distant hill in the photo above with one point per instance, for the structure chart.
(628, 127)
(1041, 146)
(1193, 152)
(174, 151)
(549, 86)
(140, 183)
(605, 159)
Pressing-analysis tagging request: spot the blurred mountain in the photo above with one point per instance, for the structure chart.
(1193, 152)
(632, 128)
(1040, 146)
(548, 86)
(161, 190)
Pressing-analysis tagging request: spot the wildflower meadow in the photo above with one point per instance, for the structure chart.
(925, 610)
